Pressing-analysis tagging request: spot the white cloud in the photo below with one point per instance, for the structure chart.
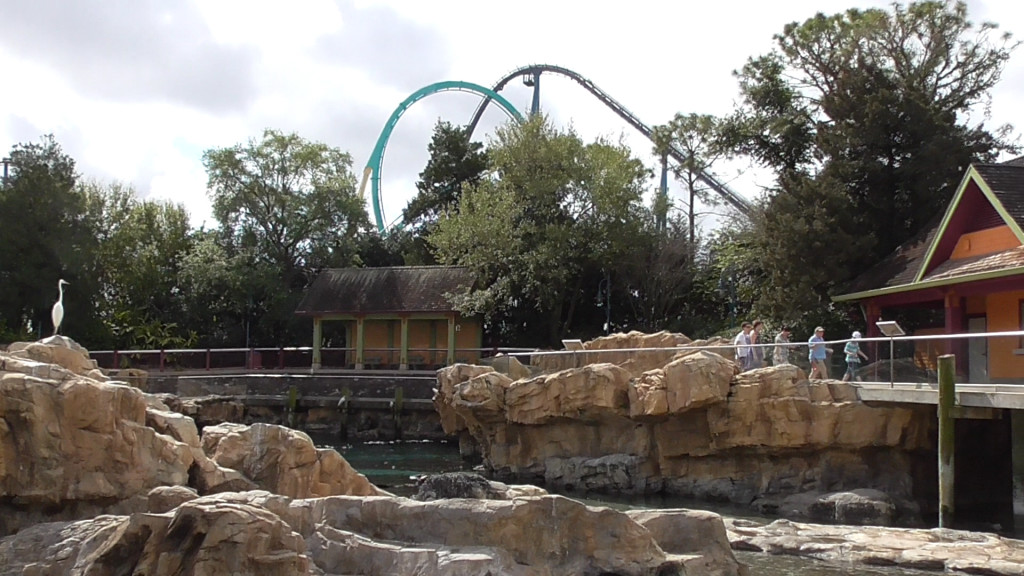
(334, 70)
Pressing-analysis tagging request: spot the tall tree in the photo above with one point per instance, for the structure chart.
(552, 213)
(140, 245)
(454, 161)
(292, 201)
(698, 136)
(864, 116)
(45, 236)
(287, 207)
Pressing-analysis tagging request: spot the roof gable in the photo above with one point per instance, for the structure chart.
(387, 290)
(989, 195)
(974, 207)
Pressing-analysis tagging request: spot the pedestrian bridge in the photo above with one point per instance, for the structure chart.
(1008, 396)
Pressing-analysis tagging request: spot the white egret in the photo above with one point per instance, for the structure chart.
(57, 314)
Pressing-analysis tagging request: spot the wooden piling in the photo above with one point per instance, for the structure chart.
(947, 399)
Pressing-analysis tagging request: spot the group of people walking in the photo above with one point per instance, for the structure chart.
(750, 350)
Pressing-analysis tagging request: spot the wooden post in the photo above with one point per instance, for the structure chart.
(360, 341)
(317, 340)
(451, 340)
(947, 398)
(403, 355)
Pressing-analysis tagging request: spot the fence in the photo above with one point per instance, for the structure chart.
(981, 357)
(285, 358)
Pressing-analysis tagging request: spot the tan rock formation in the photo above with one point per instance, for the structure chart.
(692, 427)
(532, 535)
(691, 381)
(635, 351)
(201, 537)
(698, 534)
(585, 394)
(939, 550)
(447, 380)
(283, 461)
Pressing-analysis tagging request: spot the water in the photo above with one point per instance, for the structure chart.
(394, 466)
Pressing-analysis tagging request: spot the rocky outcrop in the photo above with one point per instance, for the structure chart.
(202, 537)
(693, 427)
(939, 550)
(696, 534)
(283, 461)
(73, 445)
(100, 478)
(261, 533)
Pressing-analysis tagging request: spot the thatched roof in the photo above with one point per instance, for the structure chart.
(384, 290)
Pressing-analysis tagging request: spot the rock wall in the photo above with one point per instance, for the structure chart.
(99, 478)
(692, 427)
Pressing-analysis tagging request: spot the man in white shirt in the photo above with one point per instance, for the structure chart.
(742, 343)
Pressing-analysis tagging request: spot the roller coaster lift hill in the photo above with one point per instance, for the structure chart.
(531, 77)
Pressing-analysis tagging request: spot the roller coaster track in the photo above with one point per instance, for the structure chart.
(371, 174)
(737, 201)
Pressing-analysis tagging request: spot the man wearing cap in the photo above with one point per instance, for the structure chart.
(853, 356)
(818, 354)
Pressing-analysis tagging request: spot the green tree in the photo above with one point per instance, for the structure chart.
(864, 117)
(139, 248)
(287, 207)
(292, 201)
(454, 161)
(697, 136)
(45, 236)
(551, 214)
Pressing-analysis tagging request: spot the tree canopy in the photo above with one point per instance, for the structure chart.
(866, 119)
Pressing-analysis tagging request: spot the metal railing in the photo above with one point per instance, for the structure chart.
(296, 358)
(981, 357)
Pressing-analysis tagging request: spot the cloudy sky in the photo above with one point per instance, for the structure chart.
(136, 90)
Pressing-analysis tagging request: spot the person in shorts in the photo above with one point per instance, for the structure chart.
(818, 355)
(780, 355)
(853, 356)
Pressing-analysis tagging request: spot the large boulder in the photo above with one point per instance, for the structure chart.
(698, 534)
(447, 380)
(66, 437)
(585, 394)
(283, 461)
(692, 381)
(200, 537)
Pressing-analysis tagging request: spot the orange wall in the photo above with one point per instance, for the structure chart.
(984, 242)
(376, 333)
(1004, 315)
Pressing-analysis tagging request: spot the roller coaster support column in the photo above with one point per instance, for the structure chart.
(535, 106)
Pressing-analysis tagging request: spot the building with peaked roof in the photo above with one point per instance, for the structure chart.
(394, 317)
(969, 262)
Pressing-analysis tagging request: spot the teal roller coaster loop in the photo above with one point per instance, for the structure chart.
(373, 167)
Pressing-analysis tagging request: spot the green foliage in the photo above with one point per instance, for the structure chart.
(44, 233)
(139, 248)
(552, 213)
(863, 117)
(287, 208)
(454, 161)
(292, 202)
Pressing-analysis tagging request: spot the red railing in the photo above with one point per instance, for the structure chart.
(284, 358)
